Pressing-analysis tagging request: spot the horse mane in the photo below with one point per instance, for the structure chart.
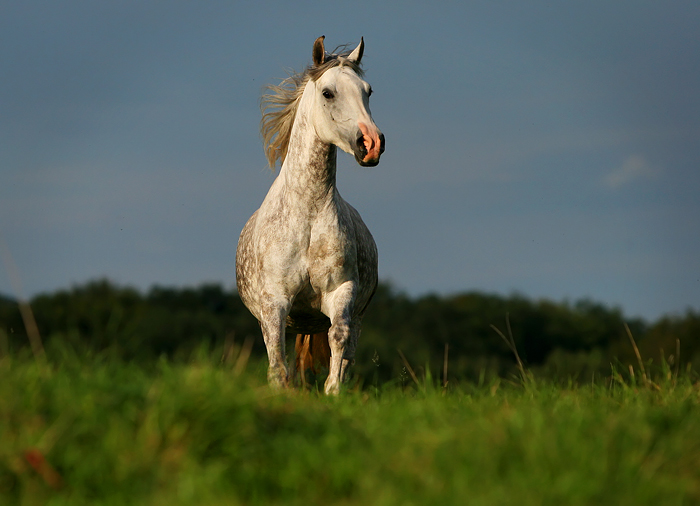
(279, 105)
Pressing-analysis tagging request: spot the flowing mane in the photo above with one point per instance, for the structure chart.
(279, 106)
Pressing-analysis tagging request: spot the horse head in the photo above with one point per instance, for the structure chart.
(341, 114)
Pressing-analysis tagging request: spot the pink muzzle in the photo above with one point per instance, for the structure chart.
(370, 145)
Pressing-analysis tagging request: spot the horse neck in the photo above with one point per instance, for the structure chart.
(309, 169)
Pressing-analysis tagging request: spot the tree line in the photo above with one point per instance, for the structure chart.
(401, 335)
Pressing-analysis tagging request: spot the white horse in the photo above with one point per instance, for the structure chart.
(305, 261)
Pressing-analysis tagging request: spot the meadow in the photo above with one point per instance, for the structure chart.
(84, 428)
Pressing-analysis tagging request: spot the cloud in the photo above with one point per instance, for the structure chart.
(633, 168)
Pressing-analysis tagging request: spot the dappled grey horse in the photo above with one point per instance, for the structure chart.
(306, 262)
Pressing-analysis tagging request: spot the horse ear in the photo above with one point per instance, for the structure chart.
(356, 55)
(319, 52)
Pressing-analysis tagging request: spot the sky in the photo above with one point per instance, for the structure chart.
(550, 149)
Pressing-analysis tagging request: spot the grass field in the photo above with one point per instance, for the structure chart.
(79, 430)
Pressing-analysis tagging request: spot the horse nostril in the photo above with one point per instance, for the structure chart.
(381, 143)
(361, 145)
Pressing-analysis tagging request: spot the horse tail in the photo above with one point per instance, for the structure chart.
(312, 352)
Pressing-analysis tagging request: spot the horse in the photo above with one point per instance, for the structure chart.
(306, 263)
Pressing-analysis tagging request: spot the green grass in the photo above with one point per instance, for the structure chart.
(198, 433)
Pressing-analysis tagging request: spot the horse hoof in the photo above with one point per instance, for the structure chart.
(331, 388)
(277, 380)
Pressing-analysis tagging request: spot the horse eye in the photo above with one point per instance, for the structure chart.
(327, 94)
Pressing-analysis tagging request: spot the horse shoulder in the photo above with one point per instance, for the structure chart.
(363, 236)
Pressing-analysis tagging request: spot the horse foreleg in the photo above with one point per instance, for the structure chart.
(342, 338)
(273, 330)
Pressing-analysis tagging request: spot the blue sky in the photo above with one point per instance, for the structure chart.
(545, 148)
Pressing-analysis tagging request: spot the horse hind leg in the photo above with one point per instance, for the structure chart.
(321, 352)
(312, 352)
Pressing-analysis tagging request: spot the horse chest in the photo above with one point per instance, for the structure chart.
(329, 258)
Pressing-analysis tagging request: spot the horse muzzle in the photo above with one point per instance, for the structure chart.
(369, 145)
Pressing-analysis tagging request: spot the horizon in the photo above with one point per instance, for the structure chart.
(395, 291)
